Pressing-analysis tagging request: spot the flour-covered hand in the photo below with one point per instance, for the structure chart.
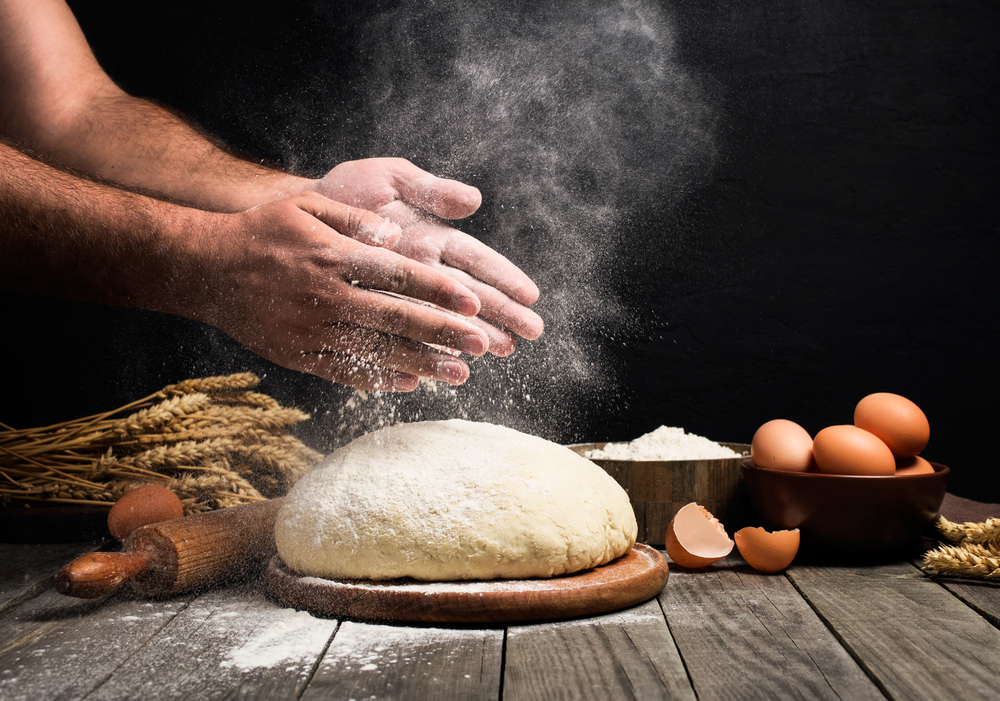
(421, 204)
(294, 281)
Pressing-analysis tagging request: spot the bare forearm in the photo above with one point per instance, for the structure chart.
(140, 144)
(65, 236)
(58, 102)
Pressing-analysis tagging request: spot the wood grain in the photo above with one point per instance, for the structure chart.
(745, 635)
(631, 579)
(28, 568)
(227, 643)
(624, 655)
(204, 549)
(56, 647)
(983, 597)
(911, 635)
(368, 661)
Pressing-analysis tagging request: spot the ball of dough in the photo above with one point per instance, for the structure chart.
(449, 500)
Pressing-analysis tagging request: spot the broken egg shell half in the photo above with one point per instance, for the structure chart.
(141, 507)
(767, 551)
(695, 538)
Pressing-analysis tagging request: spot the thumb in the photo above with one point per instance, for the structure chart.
(448, 199)
(358, 224)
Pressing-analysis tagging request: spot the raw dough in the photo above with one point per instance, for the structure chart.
(447, 500)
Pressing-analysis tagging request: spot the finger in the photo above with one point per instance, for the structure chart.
(460, 251)
(474, 257)
(379, 269)
(403, 318)
(344, 346)
(342, 368)
(502, 343)
(499, 309)
(449, 199)
(358, 224)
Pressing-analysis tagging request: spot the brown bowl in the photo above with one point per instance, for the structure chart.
(657, 489)
(848, 515)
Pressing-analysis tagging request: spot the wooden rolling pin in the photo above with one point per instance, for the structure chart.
(167, 558)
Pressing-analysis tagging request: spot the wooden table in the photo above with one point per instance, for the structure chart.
(814, 632)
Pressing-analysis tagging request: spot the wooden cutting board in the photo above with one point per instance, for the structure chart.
(633, 578)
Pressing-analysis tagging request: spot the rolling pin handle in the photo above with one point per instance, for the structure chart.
(97, 574)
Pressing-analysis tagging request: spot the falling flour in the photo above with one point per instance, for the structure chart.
(665, 443)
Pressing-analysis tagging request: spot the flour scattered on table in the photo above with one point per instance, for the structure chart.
(665, 443)
(295, 636)
(366, 647)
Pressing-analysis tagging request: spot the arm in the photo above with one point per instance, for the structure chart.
(280, 278)
(65, 107)
(58, 101)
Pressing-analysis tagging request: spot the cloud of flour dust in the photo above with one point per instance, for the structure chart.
(571, 117)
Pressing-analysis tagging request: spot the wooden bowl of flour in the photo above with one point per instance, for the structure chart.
(658, 489)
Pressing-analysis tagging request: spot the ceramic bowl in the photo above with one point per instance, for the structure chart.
(848, 515)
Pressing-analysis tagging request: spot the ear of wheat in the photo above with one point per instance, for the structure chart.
(212, 440)
(974, 552)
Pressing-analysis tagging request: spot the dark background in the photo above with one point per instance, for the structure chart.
(843, 243)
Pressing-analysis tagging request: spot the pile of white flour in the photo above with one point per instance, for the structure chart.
(665, 443)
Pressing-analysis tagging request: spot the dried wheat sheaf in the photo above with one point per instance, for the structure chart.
(212, 440)
(974, 552)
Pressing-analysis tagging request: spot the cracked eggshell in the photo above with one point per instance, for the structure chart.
(695, 538)
(767, 551)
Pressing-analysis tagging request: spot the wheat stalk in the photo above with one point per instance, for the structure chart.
(975, 549)
(212, 440)
(219, 383)
(166, 412)
(252, 399)
(962, 562)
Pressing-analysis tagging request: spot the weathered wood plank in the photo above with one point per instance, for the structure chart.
(367, 661)
(983, 597)
(914, 637)
(28, 568)
(57, 647)
(227, 643)
(746, 635)
(623, 655)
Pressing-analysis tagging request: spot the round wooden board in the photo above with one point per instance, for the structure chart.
(633, 578)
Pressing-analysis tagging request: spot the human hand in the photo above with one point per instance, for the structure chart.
(419, 203)
(300, 281)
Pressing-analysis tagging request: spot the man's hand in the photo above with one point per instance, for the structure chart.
(301, 282)
(419, 203)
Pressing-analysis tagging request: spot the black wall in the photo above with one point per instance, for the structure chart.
(842, 243)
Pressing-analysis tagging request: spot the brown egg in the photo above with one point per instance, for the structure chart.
(766, 551)
(142, 506)
(913, 466)
(849, 450)
(695, 538)
(896, 420)
(782, 445)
